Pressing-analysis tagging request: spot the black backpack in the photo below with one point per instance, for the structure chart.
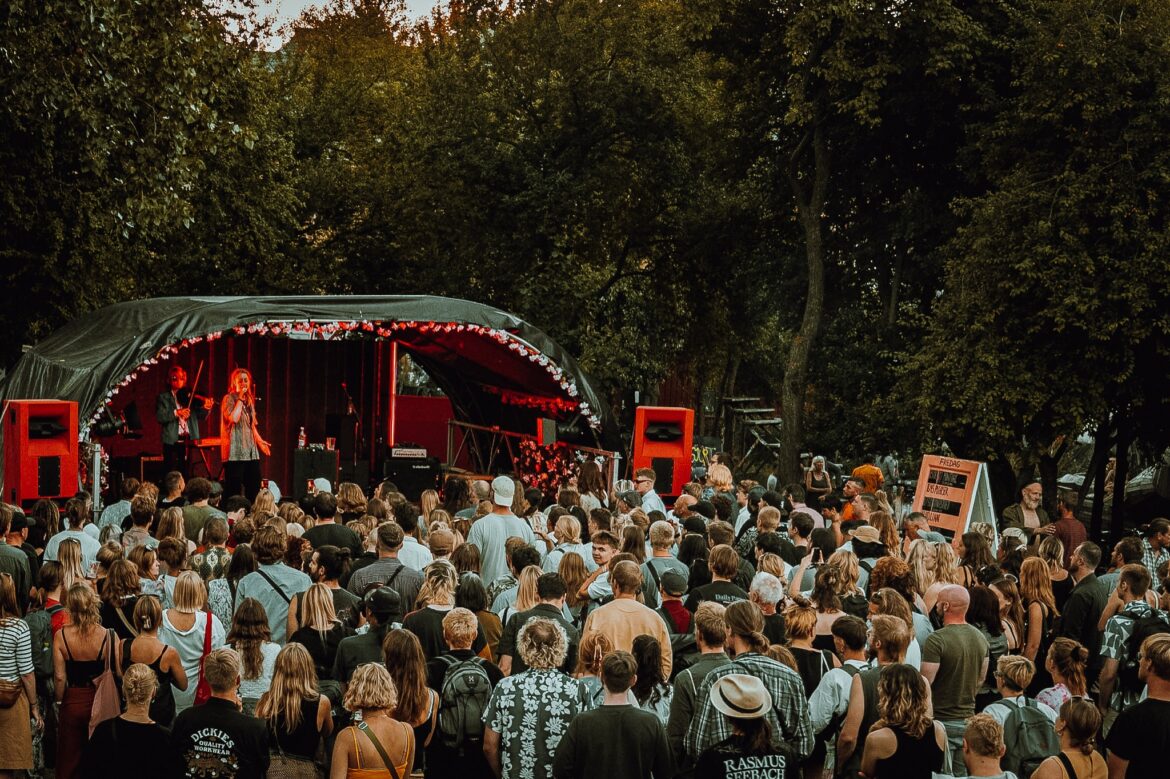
(1147, 625)
(855, 604)
(40, 628)
(463, 700)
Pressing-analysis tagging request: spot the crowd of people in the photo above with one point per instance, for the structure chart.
(488, 630)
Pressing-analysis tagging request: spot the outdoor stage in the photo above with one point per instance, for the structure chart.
(310, 357)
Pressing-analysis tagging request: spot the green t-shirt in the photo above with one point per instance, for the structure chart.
(959, 651)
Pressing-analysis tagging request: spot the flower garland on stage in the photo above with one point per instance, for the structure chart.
(379, 329)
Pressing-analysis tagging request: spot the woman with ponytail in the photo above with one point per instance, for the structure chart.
(145, 648)
(1066, 661)
(800, 621)
(591, 651)
(1077, 725)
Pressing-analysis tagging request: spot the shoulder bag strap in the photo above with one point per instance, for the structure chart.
(434, 718)
(1068, 766)
(110, 642)
(394, 575)
(654, 574)
(274, 585)
(364, 728)
(126, 622)
(206, 639)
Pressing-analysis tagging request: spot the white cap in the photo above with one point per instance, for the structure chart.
(275, 490)
(503, 490)
(321, 484)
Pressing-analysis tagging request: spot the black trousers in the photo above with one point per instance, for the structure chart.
(241, 476)
(175, 458)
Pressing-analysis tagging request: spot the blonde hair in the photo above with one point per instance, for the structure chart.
(848, 571)
(1035, 584)
(440, 581)
(294, 680)
(461, 625)
(1016, 670)
(719, 478)
(69, 556)
(318, 608)
(768, 519)
(946, 564)
(370, 688)
(884, 523)
(800, 620)
(773, 564)
(592, 649)
(428, 502)
(920, 571)
(1156, 649)
(170, 524)
(265, 503)
(568, 530)
(190, 592)
(138, 684)
(526, 595)
(984, 736)
(221, 668)
(84, 608)
(542, 644)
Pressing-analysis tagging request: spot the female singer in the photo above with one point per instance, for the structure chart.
(240, 441)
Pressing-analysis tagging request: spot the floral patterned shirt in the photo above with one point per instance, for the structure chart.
(531, 711)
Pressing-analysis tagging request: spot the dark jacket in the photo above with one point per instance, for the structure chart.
(1079, 619)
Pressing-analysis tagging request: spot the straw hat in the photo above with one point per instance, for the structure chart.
(741, 696)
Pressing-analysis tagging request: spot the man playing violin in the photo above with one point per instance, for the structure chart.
(179, 414)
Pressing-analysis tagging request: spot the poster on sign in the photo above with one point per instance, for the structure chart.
(953, 494)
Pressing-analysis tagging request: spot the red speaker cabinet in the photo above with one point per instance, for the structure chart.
(663, 438)
(40, 451)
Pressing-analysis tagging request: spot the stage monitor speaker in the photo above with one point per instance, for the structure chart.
(40, 451)
(663, 439)
(309, 464)
(413, 475)
(546, 431)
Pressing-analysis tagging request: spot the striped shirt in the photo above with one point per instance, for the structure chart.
(15, 649)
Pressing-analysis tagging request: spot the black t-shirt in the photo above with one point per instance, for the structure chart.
(217, 741)
(322, 647)
(774, 628)
(427, 625)
(332, 534)
(730, 758)
(1141, 735)
(615, 742)
(119, 747)
(723, 593)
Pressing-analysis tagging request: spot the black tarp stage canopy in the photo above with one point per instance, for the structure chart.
(497, 369)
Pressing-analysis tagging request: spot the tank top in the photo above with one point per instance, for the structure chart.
(812, 664)
(424, 731)
(821, 483)
(162, 708)
(914, 758)
(361, 772)
(81, 673)
(303, 740)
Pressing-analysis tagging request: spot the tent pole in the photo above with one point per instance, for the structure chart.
(393, 390)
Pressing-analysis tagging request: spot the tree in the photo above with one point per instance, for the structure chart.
(1053, 318)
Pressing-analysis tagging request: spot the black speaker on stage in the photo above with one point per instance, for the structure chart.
(308, 464)
(412, 471)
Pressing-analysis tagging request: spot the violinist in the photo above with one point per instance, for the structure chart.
(179, 413)
(240, 442)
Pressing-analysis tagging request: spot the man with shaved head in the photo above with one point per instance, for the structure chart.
(954, 661)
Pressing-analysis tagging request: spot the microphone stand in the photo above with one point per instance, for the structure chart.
(351, 410)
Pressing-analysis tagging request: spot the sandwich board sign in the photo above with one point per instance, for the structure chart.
(953, 494)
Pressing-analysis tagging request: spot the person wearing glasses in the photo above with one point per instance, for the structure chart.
(644, 486)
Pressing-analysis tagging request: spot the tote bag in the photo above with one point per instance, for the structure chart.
(106, 701)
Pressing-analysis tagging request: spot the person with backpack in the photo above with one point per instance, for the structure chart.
(1135, 621)
(465, 682)
(1140, 738)
(1028, 725)
(661, 560)
(830, 700)
(1078, 724)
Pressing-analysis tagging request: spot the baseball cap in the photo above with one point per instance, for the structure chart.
(321, 484)
(1013, 532)
(673, 583)
(503, 490)
(932, 536)
(19, 522)
(275, 490)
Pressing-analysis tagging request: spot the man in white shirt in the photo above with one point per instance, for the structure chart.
(830, 700)
(644, 486)
(490, 533)
(412, 554)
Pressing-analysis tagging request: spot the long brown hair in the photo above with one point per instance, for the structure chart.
(249, 631)
(1036, 585)
(572, 570)
(1015, 608)
(902, 700)
(593, 648)
(406, 662)
(1070, 658)
(745, 620)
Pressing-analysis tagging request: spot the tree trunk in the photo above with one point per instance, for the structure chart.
(1049, 463)
(810, 202)
(726, 390)
(1121, 475)
(1095, 477)
(895, 286)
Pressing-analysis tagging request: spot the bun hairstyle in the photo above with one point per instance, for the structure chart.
(147, 613)
(1070, 658)
(1083, 720)
(139, 684)
(745, 620)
